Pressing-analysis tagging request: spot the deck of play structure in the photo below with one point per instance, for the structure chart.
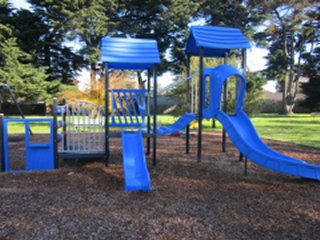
(84, 130)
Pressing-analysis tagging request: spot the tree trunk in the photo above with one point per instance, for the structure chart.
(284, 96)
(140, 81)
(93, 75)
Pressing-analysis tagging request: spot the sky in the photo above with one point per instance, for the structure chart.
(255, 60)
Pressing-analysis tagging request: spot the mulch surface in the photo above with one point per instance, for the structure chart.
(211, 199)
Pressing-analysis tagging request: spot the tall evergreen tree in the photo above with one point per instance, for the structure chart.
(287, 38)
(166, 21)
(26, 80)
(84, 20)
(46, 46)
(312, 88)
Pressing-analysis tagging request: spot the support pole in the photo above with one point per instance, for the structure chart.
(199, 155)
(155, 109)
(225, 106)
(148, 113)
(244, 69)
(188, 101)
(55, 132)
(245, 166)
(64, 127)
(2, 143)
(106, 124)
(240, 157)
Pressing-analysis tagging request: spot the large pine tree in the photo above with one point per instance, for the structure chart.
(312, 88)
(27, 81)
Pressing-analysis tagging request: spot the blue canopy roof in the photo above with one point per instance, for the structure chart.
(215, 41)
(129, 53)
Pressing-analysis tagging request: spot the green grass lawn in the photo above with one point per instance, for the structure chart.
(298, 128)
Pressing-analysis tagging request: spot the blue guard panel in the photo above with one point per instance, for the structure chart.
(136, 175)
(244, 136)
(128, 107)
(39, 156)
(181, 123)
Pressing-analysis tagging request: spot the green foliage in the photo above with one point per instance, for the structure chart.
(289, 28)
(165, 21)
(45, 44)
(25, 80)
(254, 92)
(239, 14)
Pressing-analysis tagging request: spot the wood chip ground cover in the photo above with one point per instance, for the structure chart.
(189, 200)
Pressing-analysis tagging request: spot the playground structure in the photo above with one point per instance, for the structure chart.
(86, 127)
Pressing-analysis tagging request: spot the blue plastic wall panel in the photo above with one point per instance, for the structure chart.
(39, 156)
(136, 175)
(180, 124)
(129, 53)
(216, 41)
(128, 107)
(218, 76)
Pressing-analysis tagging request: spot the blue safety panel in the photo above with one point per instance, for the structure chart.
(128, 107)
(136, 175)
(39, 156)
(215, 41)
(129, 53)
(218, 76)
(181, 123)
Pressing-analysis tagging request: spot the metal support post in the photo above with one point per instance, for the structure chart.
(188, 100)
(199, 153)
(155, 109)
(2, 143)
(225, 106)
(55, 133)
(106, 124)
(148, 112)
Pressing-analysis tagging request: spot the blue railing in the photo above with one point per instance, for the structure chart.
(128, 107)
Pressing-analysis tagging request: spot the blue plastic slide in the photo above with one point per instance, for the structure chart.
(181, 123)
(244, 136)
(136, 175)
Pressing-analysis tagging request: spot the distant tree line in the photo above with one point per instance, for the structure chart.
(36, 58)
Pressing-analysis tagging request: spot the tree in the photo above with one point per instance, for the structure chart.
(287, 38)
(84, 20)
(254, 91)
(26, 80)
(166, 21)
(312, 88)
(232, 13)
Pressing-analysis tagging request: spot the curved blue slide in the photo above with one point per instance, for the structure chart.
(244, 136)
(181, 123)
(136, 175)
